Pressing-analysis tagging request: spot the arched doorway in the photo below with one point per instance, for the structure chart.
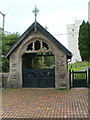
(38, 68)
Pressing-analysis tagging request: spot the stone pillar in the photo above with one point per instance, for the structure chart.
(14, 71)
(61, 72)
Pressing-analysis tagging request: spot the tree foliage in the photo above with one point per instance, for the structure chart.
(50, 61)
(0, 52)
(38, 62)
(84, 41)
(7, 41)
(44, 61)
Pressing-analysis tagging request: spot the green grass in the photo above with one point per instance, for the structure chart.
(79, 66)
(81, 76)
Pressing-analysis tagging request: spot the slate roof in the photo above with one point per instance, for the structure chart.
(45, 32)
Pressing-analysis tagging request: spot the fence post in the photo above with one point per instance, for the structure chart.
(88, 77)
(70, 78)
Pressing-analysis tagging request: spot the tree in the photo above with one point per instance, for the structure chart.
(43, 61)
(84, 40)
(0, 52)
(7, 41)
(50, 61)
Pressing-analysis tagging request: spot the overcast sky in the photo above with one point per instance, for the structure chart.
(56, 14)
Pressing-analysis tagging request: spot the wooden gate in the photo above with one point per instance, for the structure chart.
(79, 79)
(39, 78)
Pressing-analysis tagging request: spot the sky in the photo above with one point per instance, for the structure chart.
(55, 14)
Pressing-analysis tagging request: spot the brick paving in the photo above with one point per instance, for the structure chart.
(45, 103)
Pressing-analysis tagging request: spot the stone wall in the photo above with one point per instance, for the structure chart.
(4, 82)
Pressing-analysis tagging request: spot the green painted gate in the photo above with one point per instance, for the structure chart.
(79, 79)
(39, 78)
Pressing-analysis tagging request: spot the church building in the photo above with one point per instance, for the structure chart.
(72, 37)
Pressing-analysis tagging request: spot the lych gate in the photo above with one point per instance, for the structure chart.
(29, 56)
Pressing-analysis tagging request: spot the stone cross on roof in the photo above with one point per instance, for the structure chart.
(35, 11)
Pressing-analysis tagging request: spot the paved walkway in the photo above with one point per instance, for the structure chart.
(45, 103)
